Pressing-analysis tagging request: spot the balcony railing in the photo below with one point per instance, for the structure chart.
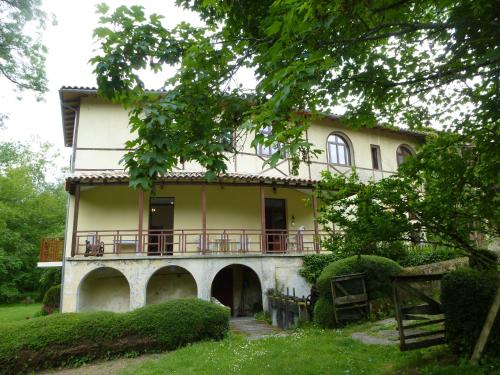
(196, 241)
(51, 249)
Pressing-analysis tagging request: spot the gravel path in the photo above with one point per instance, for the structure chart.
(254, 329)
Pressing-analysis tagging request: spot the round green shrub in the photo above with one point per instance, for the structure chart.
(324, 314)
(51, 299)
(466, 296)
(61, 339)
(378, 272)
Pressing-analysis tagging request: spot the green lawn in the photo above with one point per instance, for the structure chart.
(306, 351)
(15, 312)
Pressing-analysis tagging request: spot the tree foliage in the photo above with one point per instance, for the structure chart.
(22, 54)
(442, 196)
(385, 62)
(30, 208)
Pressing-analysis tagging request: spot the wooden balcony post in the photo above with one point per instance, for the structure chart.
(204, 217)
(315, 218)
(141, 220)
(75, 220)
(263, 218)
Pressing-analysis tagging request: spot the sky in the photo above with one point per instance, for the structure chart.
(70, 46)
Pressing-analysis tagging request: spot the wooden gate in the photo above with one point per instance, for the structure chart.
(416, 307)
(350, 300)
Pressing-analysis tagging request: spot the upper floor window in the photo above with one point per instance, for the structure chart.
(227, 139)
(402, 153)
(267, 150)
(339, 151)
(376, 159)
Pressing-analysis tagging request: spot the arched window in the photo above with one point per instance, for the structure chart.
(402, 153)
(338, 150)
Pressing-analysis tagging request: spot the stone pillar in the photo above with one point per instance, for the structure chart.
(137, 280)
(137, 296)
(70, 288)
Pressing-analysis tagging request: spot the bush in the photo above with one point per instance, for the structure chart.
(313, 264)
(467, 295)
(324, 314)
(420, 255)
(378, 272)
(52, 299)
(75, 337)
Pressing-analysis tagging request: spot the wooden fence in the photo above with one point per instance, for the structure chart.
(51, 249)
(287, 310)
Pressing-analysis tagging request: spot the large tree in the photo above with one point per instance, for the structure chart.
(439, 196)
(31, 207)
(22, 54)
(389, 62)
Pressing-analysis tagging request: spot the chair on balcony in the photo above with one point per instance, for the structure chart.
(92, 247)
(223, 244)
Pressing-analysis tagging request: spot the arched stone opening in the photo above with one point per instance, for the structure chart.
(170, 282)
(238, 287)
(104, 289)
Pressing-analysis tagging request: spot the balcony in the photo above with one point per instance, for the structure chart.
(51, 252)
(195, 242)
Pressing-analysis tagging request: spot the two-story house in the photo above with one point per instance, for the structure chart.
(231, 239)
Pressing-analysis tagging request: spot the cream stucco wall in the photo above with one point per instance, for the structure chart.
(115, 207)
(103, 289)
(103, 130)
(169, 283)
(101, 134)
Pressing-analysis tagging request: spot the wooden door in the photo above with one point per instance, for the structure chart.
(275, 225)
(161, 225)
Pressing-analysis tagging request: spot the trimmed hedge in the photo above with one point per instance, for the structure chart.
(65, 338)
(378, 270)
(420, 255)
(52, 299)
(467, 295)
(313, 265)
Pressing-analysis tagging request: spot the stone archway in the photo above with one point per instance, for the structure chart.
(104, 289)
(239, 288)
(170, 282)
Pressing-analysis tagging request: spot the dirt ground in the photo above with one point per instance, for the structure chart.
(104, 367)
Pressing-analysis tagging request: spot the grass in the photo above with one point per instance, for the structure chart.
(305, 351)
(16, 312)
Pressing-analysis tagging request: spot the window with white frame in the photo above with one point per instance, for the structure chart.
(338, 150)
(267, 150)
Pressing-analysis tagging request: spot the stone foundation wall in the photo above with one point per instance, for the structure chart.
(438, 267)
(274, 272)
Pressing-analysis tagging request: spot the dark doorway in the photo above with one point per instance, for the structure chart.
(238, 287)
(275, 225)
(222, 287)
(161, 225)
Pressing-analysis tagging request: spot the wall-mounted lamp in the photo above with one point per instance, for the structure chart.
(153, 209)
(274, 189)
(293, 220)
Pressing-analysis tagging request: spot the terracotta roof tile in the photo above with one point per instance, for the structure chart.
(122, 176)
